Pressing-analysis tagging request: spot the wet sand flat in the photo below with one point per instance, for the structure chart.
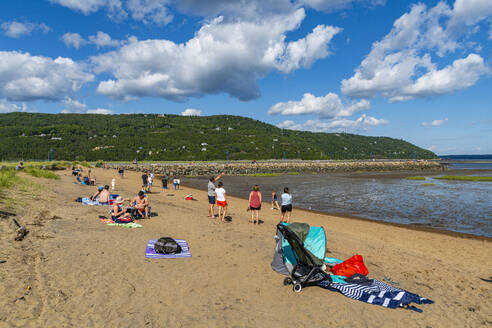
(74, 271)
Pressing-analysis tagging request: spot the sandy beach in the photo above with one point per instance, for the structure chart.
(72, 270)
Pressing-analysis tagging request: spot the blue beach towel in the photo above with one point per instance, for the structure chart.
(378, 293)
(87, 201)
(151, 254)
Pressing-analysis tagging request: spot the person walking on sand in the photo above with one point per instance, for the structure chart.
(211, 194)
(221, 201)
(286, 198)
(275, 205)
(255, 204)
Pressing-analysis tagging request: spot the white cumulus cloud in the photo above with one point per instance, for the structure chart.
(16, 29)
(72, 106)
(8, 107)
(400, 66)
(73, 40)
(434, 123)
(102, 111)
(328, 106)
(100, 40)
(146, 11)
(223, 56)
(333, 5)
(24, 77)
(363, 123)
(191, 112)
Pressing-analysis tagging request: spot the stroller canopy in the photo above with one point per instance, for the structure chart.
(313, 239)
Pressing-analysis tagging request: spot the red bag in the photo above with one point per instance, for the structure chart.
(349, 267)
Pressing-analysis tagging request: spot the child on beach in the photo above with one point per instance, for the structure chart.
(275, 205)
(286, 198)
(255, 204)
(221, 201)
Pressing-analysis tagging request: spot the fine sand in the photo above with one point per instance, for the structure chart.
(74, 271)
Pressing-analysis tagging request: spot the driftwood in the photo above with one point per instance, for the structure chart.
(5, 215)
(21, 231)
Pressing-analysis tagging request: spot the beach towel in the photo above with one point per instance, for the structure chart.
(130, 225)
(88, 201)
(151, 254)
(378, 293)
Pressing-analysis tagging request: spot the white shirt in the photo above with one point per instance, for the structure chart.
(286, 199)
(220, 192)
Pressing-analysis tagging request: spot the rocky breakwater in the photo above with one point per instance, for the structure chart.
(241, 168)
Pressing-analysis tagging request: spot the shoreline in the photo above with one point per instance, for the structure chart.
(412, 226)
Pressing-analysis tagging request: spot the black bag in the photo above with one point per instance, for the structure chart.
(134, 214)
(167, 245)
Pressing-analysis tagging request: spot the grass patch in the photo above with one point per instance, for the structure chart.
(41, 173)
(293, 173)
(8, 178)
(260, 175)
(416, 178)
(428, 184)
(464, 178)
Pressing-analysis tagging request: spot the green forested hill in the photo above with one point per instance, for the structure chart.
(172, 137)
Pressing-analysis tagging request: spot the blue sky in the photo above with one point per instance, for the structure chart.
(419, 71)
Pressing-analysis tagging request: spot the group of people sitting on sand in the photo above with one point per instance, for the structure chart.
(217, 195)
(140, 203)
(87, 180)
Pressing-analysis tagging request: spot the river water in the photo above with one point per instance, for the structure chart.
(450, 205)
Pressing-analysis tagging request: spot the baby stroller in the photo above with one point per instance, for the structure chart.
(299, 254)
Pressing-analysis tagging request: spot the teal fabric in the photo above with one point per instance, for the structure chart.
(316, 242)
(332, 260)
(338, 279)
(288, 253)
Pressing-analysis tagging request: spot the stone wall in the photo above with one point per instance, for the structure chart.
(238, 168)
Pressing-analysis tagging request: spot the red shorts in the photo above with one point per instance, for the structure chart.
(221, 203)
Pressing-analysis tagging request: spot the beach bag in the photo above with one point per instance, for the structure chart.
(349, 267)
(167, 245)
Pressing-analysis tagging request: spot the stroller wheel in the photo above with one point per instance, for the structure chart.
(297, 288)
(287, 281)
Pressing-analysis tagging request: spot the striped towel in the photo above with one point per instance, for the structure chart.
(378, 293)
(151, 254)
(130, 225)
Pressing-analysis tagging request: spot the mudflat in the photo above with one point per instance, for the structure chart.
(72, 270)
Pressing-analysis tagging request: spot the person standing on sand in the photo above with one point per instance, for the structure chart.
(221, 201)
(275, 205)
(176, 182)
(121, 172)
(211, 195)
(286, 205)
(150, 179)
(255, 204)
(164, 182)
(145, 181)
